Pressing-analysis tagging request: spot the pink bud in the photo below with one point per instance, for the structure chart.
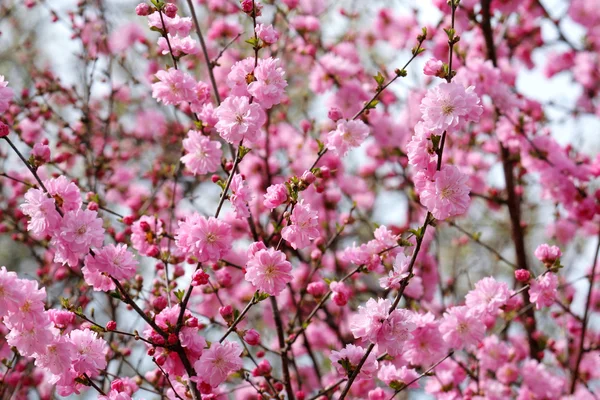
(170, 10)
(317, 289)
(111, 325)
(308, 177)
(142, 9)
(200, 278)
(160, 360)
(334, 114)
(3, 129)
(252, 337)
(145, 226)
(522, 275)
(226, 311)
(153, 251)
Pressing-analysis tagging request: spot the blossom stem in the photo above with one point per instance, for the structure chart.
(239, 318)
(284, 349)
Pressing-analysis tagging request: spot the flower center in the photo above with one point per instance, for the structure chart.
(239, 119)
(462, 327)
(211, 237)
(82, 229)
(447, 108)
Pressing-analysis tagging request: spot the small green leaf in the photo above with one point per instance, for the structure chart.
(179, 294)
(372, 104)
(396, 385)
(252, 41)
(379, 78)
(97, 328)
(404, 243)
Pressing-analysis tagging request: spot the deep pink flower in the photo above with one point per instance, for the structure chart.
(218, 362)
(348, 134)
(202, 154)
(450, 106)
(448, 194)
(269, 271)
(303, 228)
(65, 193)
(206, 239)
(239, 119)
(352, 355)
(144, 234)
(90, 352)
(547, 254)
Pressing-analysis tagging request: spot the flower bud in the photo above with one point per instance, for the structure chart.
(111, 325)
(252, 337)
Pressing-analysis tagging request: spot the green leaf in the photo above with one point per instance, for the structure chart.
(379, 78)
(321, 145)
(97, 328)
(372, 104)
(180, 294)
(404, 243)
(243, 151)
(435, 139)
(252, 41)
(115, 295)
(476, 236)
(396, 385)
(260, 296)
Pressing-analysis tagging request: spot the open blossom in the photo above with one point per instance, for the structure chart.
(426, 345)
(240, 196)
(179, 45)
(420, 152)
(450, 106)
(268, 85)
(389, 373)
(269, 271)
(11, 294)
(267, 33)
(434, 67)
(175, 25)
(218, 362)
(400, 272)
(388, 331)
(6, 95)
(206, 239)
(42, 211)
(79, 230)
(173, 87)
(547, 254)
(543, 290)
(461, 327)
(239, 119)
(488, 296)
(65, 193)
(351, 356)
(202, 154)
(303, 228)
(276, 195)
(144, 233)
(448, 194)
(348, 134)
(113, 260)
(238, 77)
(89, 356)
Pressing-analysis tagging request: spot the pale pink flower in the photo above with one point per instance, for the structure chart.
(268, 85)
(461, 327)
(426, 345)
(57, 357)
(79, 230)
(488, 296)
(540, 381)
(206, 239)
(31, 311)
(175, 26)
(389, 373)
(450, 106)
(11, 293)
(98, 281)
(267, 33)
(6, 95)
(42, 211)
(202, 154)
(304, 226)
(400, 272)
(448, 194)
(65, 193)
(125, 37)
(32, 340)
(218, 362)
(179, 45)
(89, 352)
(547, 254)
(197, 105)
(543, 290)
(30, 130)
(41, 152)
(276, 195)
(269, 271)
(239, 119)
(240, 196)
(350, 356)
(420, 151)
(237, 79)
(388, 331)
(113, 260)
(348, 134)
(173, 87)
(434, 67)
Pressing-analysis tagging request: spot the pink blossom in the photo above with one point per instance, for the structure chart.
(98, 281)
(145, 232)
(31, 311)
(79, 230)
(65, 193)
(41, 152)
(42, 211)
(175, 26)
(399, 273)
(267, 33)
(547, 254)
(180, 46)
(348, 134)
(450, 106)
(269, 271)
(113, 260)
(238, 77)
(488, 296)
(173, 87)
(268, 85)
(206, 239)
(420, 151)
(276, 195)
(346, 361)
(239, 120)
(202, 154)
(434, 67)
(303, 228)
(218, 362)
(252, 337)
(461, 327)
(6, 95)
(389, 373)
(11, 293)
(240, 196)
(90, 352)
(448, 194)
(543, 290)
(426, 345)
(341, 293)
(388, 330)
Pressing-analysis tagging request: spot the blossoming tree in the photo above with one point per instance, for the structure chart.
(299, 199)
